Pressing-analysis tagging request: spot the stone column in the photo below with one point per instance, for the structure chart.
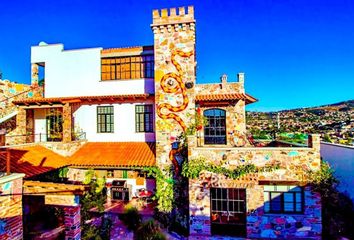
(174, 52)
(34, 74)
(72, 220)
(67, 123)
(314, 141)
(21, 126)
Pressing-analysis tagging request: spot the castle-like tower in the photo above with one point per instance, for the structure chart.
(174, 41)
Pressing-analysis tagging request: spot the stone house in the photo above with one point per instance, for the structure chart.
(122, 109)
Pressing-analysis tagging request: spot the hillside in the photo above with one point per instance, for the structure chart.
(335, 122)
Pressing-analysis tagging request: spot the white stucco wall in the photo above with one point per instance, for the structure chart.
(85, 119)
(78, 73)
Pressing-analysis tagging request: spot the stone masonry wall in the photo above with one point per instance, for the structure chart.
(174, 50)
(293, 162)
(236, 135)
(11, 207)
(235, 111)
(285, 226)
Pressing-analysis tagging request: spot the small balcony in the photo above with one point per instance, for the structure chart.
(53, 137)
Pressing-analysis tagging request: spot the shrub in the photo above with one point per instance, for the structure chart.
(131, 218)
(149, 230)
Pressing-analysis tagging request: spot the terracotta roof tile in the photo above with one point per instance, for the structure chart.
(82, 99)
(115, 154)
(33, 160)
(225, 97)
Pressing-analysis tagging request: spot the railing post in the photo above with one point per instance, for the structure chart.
(40, 137)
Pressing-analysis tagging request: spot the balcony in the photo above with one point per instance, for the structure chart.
(294, 160)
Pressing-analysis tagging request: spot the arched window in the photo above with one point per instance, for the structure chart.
(215, 130)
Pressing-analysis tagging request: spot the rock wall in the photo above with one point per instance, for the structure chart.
(235, 124)
(294, 164)
(286, 226)
(11, 207)
(235, 110)
(174, 51)
(10, 91)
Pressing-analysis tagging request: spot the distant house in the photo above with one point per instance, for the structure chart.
(120, 110)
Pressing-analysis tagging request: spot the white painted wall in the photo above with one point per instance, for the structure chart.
(78, 73)
(40, 125)
(85, 119)
(341, 159)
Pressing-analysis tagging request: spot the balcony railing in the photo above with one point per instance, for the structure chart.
(40, 137)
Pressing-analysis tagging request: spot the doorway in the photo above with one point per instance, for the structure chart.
(228, 211)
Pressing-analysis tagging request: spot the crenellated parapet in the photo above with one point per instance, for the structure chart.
(173, 20)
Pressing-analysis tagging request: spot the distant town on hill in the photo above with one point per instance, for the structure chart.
(335, 123)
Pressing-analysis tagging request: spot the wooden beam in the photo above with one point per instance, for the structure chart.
(8, 161)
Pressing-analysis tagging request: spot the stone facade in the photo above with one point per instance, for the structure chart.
(10, 91)
(293, 164)
(286, 226)
(11, 207)
(67, 123)
(174, 51)
(235, 110)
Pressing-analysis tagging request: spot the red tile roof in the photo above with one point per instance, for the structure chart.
(35, 160)
(225, 97)
(115, 154)
(82, 99)
(32, 160)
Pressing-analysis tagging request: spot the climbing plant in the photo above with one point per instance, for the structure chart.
(164, 191)
(193, 167)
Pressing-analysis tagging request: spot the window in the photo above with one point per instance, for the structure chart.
(133, 67)
(215, 130)
(283, 199)
(105, 123)
(143, 118)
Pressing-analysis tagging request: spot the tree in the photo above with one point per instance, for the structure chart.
(95, 197)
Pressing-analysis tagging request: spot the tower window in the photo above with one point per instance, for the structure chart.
(215, 130)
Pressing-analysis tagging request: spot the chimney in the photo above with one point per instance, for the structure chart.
(241, 77)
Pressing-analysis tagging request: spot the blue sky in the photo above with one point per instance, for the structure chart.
(295, 53)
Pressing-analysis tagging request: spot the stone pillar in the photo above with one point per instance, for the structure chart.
(21, 126)
(174, 51)
(314, 141)
(34, 74)
(11, 206)
(67, 123)
(72, 220)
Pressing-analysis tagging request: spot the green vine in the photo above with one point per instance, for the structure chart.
(193, 168)
(164, 187)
